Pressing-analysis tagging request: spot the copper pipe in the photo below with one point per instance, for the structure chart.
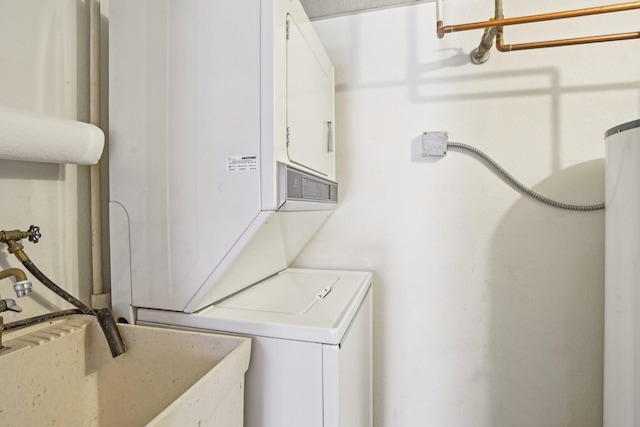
(442, 29)
(565, 42)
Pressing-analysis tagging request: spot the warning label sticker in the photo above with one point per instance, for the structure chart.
(242, 163)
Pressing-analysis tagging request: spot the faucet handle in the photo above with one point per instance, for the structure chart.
(9, 305)
(34, 234)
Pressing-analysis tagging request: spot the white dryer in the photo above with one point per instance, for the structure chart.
(222, 167)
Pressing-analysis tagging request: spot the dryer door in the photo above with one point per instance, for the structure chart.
(310, 103)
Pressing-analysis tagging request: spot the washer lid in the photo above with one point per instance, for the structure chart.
(303, 305)
(292, 293)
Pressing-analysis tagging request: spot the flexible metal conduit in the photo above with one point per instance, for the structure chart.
(529, 192)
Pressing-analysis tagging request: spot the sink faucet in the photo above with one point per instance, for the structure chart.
(7, 305)
(22, 288)
(104, 315)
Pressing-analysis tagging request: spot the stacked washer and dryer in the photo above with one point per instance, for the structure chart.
(222, 167)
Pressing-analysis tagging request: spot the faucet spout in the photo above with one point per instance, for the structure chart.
(23, 286)
(15, 272)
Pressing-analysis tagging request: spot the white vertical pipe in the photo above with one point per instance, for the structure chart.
(622, 277)
(439, 13)
(94, 118)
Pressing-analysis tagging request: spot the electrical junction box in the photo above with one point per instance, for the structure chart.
(434, 144)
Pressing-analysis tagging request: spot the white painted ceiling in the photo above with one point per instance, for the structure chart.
(319, 9)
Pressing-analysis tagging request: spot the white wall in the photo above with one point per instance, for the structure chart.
(488, 305)
(44, 68)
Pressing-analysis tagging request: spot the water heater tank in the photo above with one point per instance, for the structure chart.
(622, 277)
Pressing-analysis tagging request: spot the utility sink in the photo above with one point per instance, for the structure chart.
(61, 373)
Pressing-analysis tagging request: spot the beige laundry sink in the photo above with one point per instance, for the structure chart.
(61, 373)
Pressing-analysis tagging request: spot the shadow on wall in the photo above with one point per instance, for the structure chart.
(546, 329)
(14, 170)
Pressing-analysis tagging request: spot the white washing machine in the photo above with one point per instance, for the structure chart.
(222, 167)
(311, 346)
